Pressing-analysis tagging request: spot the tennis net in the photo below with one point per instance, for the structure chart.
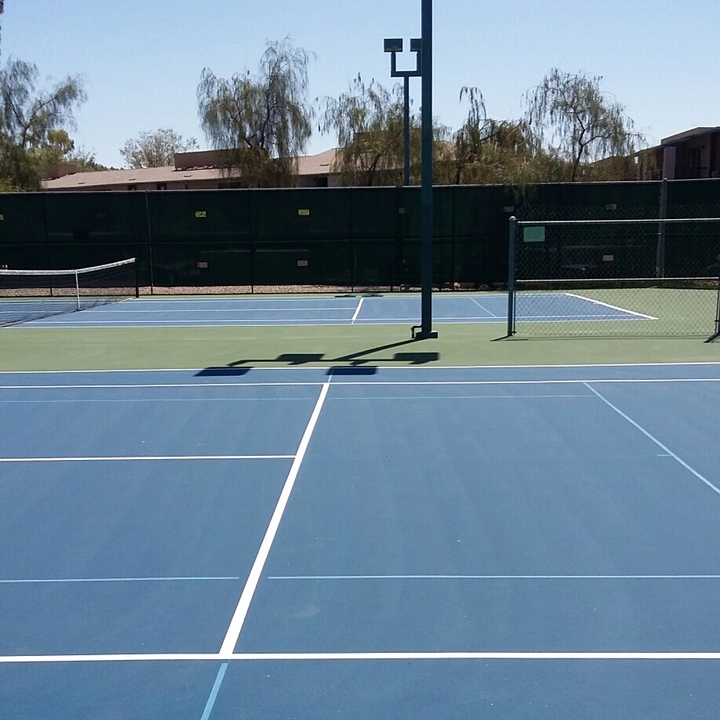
(27, 295)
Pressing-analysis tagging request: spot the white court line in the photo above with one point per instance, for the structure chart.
(494, 577)
(363, 383)
(161, 386)
(204, 311)
(372, 398)
(440, 369)
(482, 307)
(359, 656)
(62, 581)
(440, 383)
(257, 298)
(654, 439)
(141, 458)
(612, 307)
(62, 322)
(319, 382)
(238, 619)
(357, 310)
(141, 401)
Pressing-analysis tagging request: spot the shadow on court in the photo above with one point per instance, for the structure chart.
(353, 360)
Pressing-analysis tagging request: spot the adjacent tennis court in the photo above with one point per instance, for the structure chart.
(448, 308)
(534, 542)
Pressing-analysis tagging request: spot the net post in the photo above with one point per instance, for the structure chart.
(136, 277)
(77, 288)
(716, 334)
(512, 274)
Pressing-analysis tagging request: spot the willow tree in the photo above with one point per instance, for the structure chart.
(2, 10)
(579, 122)
(262, 122)
(368, 123)
(28, 118)
(489, 151)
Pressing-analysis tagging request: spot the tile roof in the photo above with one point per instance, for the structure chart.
(320, 164)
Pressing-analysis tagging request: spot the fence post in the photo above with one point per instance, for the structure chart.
(148, 222)
(512, 241)
(660, 254)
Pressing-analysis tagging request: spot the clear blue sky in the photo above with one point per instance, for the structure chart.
(142, 59)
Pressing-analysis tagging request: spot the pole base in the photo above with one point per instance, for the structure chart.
(417, 333)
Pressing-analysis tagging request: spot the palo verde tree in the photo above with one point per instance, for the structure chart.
(579, 122)
(28, 117)
(262, 122)
(156, 149)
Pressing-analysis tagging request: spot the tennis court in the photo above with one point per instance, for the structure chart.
(415, 542)
(403, 309)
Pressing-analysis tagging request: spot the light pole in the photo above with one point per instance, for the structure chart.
(394, 46)
(426, 192)
(424, 50)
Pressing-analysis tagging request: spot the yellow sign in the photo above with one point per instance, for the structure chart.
(304, 212)
(200, 213)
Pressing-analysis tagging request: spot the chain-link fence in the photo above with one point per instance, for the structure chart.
(605, 276)
(289, 240)
(357, 239)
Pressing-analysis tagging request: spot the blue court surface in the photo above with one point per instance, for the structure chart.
(531, 543)
(339, 310)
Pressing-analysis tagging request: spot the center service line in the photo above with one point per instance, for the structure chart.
(654, 439)
(238, 619)
(357, 310)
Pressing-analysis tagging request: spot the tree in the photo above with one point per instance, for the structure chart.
(28, 117)
(54, 149)
(573, 118)
(264, 122)
(84, 160)
(2, 9)
(59, 148)
(368, 121)
(495, 151)
(156, 149)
